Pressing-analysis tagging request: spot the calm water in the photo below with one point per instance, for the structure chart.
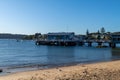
(13, 53)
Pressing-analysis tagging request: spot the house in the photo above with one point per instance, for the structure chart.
(99, 36)
(80, 37)
(115, 37)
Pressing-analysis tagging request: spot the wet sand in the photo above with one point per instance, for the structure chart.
(97, 71)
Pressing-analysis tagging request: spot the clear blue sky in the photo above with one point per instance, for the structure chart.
(31, 16)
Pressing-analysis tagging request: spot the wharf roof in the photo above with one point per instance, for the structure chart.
(61, 33)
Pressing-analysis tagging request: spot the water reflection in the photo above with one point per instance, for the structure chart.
(92, 54)
(116, 53)
(57, 55)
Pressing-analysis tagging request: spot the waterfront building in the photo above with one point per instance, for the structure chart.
(60, 36)
(116, 38)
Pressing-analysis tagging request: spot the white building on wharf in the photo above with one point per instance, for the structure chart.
(115, 39)
(60, 36)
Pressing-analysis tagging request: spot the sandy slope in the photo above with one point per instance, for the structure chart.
(96, 71)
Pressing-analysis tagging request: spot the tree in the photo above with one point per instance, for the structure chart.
(98, 32)
(29, 37)
(102, 30)
(87, 32)
(37, 35)
(98, 37)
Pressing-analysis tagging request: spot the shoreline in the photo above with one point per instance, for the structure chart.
(25, 68)
(109, 70)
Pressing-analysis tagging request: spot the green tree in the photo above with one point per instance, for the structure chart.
(37, 35)
(29, 37)
(102, 30)
(98, 32)
(87, 32)
(98, 37)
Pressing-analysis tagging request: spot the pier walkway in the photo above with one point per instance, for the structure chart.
(75, 42)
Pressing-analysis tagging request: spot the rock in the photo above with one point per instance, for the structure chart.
(60, 70)
(1, 70)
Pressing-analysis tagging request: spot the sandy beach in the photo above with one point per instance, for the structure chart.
(97, 71)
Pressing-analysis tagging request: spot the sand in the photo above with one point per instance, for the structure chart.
(97, 71)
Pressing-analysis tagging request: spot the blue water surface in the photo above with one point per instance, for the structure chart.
(25, 52)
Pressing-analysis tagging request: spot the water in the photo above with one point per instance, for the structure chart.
(13, 53)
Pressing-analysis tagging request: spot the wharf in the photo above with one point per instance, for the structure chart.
(57, 42)
(70, 39)
(74, 42)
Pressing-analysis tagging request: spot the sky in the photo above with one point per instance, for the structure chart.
(43, 16)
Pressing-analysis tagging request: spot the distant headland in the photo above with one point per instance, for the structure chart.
(11, 36)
